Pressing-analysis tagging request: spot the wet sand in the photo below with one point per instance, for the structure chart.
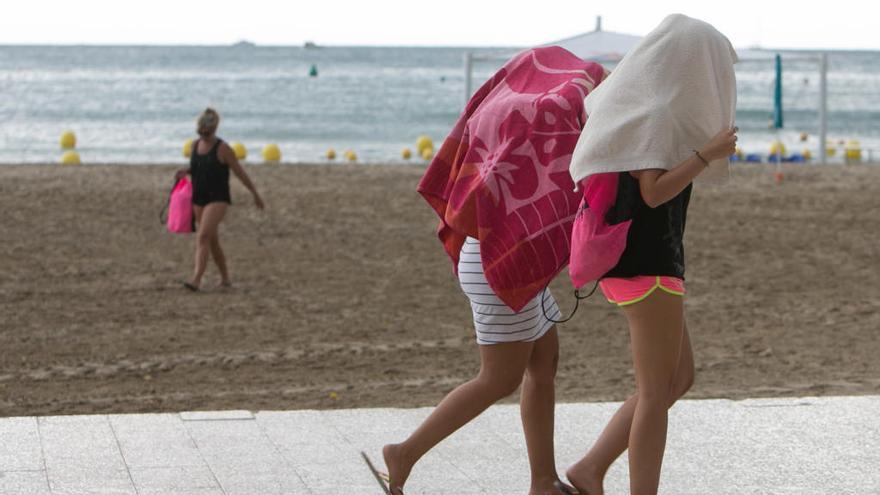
(344, 298)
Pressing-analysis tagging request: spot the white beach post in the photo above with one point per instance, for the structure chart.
(823, 107)
(468, 75)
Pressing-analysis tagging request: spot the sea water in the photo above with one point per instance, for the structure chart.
(135, 104)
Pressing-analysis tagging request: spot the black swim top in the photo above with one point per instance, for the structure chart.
(654, 244)
(210, 178)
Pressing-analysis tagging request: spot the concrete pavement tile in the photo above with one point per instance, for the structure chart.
(24, 483)
(90, 481)
(85, 441)
(349, 473)
(307, 437)
(181, 480)
(243, 459)
(155, 440)
(353, 423)
(82, 455)
(20, 448)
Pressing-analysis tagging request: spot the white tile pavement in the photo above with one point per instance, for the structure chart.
(827, 445)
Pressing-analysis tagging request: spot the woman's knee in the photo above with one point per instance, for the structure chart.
(683, 382)
(542, 372)
(501, 384)
(656, 391)
(205, 237)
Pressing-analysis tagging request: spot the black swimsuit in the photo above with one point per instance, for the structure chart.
(210, 178)
(654, 244)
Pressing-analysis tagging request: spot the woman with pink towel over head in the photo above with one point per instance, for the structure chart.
(660, 120)
(506, 203)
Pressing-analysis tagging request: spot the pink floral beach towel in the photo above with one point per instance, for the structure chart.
(502, 177)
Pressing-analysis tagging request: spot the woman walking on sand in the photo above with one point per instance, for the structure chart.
(654, 127)
(501, 187)
(209, 165)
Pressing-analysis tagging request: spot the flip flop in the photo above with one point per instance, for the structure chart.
(565, 489)
(381, 478)
(190, 286)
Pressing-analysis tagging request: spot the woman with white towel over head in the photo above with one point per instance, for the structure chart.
(661, 119)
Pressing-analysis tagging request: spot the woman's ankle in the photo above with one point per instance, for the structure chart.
(588, 467)
(544, 483)
(399, 463)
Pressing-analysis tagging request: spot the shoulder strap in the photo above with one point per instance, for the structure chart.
(216, 152)
(193, 151)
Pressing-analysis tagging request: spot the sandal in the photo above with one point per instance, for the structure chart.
(382, 478)
(565, 489)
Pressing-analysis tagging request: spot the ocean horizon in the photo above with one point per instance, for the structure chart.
(135, 104)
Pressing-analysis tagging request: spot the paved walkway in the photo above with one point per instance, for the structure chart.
(768, 446)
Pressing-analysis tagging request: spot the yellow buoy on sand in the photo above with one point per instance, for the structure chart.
(271, 153)
(70, 158)
(422, 143)
(808, 155)
(331, 154)
(853, 150)
(406, 154)
(427, 153)
(68, 140)
(351, 156)
(187, 148)
(830, 148)
(777, 148)
(240, 150)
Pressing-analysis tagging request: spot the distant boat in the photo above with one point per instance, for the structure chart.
(243, 44)
(310, 45)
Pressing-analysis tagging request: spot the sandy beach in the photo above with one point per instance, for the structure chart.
(344, 298)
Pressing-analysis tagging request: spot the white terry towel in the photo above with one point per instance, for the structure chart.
(669, 95)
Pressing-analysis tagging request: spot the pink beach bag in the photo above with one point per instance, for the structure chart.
(180, 210)
(596, 246)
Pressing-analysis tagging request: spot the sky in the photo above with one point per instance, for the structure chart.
(841, 24)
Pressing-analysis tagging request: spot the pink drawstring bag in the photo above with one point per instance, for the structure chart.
(180, 211)
(596, 246)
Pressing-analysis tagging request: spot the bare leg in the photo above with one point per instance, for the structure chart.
(587, 475)
(537, 407)
(220, 260)
(209, 219)
(656, 328)
(501, 371)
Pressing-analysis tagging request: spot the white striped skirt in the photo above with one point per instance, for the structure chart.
(494, 321)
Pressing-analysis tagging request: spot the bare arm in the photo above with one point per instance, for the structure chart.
(659, 186)
(227, 156)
